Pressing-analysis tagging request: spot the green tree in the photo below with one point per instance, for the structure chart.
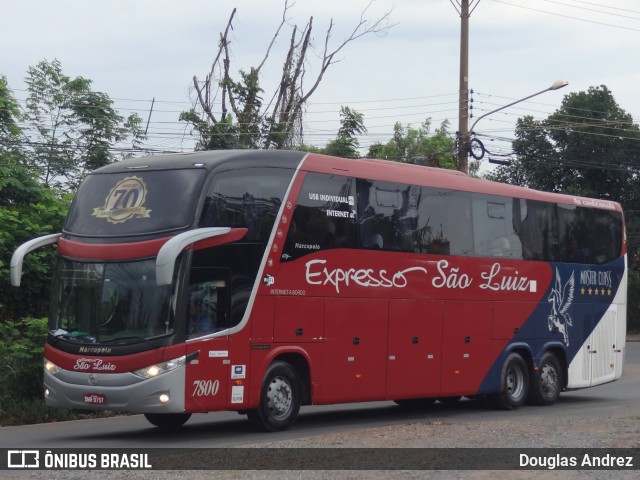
(9, 114)
(27, 210)
(418, 145)
(72, 129)
(346, 143)
(44, 213)
(587, 147)
(21, 344)
(222, 135)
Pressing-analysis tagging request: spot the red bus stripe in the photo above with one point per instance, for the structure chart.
(111, 251)
(132, 250)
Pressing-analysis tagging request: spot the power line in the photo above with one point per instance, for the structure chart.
(594, 10)
(173, 134)
(568, 16)
(606, 6)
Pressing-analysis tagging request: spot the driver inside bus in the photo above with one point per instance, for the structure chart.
(200, 321)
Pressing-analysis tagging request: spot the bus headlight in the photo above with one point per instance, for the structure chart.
(160, 368)
(51, 367)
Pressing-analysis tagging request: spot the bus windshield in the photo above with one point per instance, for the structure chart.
(109, 303)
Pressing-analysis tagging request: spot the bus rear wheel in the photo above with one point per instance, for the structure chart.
(167, 421)
(546, 382)
(279, 399)
(514, 383)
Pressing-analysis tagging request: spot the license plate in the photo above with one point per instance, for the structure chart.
(95, 399)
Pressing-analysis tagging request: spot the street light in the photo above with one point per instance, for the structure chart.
(558, 84)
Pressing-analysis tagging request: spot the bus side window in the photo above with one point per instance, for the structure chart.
(432, 224)
(494, 227)
(574, 234)
(384, 219)
(566, 233)
(607, 236)
(415, 219)
(443, 223)
(324, 216)
(246, 198)
(214, 211)
(208, 301)
(531, 229)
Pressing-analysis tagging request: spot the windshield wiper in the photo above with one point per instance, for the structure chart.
(128, 340)
(73, 336)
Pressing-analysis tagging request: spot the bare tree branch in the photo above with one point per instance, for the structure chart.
(280, 120)
(273, 40)
(206, 101)
(379, 27)
(226, 81)
(203, 103)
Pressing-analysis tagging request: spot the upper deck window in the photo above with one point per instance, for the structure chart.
(246, 198)
(134, 203)
(324, 217)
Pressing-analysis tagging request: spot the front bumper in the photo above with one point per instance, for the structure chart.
(121, 392)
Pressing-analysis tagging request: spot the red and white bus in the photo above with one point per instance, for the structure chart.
(260, 281)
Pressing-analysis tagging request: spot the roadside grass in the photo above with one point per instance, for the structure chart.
(21, 376)
(30, 411)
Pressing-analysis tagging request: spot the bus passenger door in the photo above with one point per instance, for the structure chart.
(207, 311)
(354, 351)
(415, 346)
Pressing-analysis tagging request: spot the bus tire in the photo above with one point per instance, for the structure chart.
(167, 421)
(546, 382)
(514, 383)
(279, 399)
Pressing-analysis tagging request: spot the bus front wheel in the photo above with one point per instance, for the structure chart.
(279, 399)
(167, 421)
(546, 382)
(514, 383)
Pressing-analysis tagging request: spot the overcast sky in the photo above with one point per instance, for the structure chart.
(137, 50)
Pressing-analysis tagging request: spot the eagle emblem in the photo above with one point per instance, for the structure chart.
(561, 299)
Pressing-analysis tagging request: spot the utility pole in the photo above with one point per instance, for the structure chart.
(463, 9)
(463, 107)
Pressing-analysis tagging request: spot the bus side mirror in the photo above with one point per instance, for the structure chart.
(166, 260)
(18, 256)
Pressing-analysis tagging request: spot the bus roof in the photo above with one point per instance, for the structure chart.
(442, 178)
(372, 169)
(207, 159)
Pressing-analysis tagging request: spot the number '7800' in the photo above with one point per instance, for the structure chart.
(205, 388)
